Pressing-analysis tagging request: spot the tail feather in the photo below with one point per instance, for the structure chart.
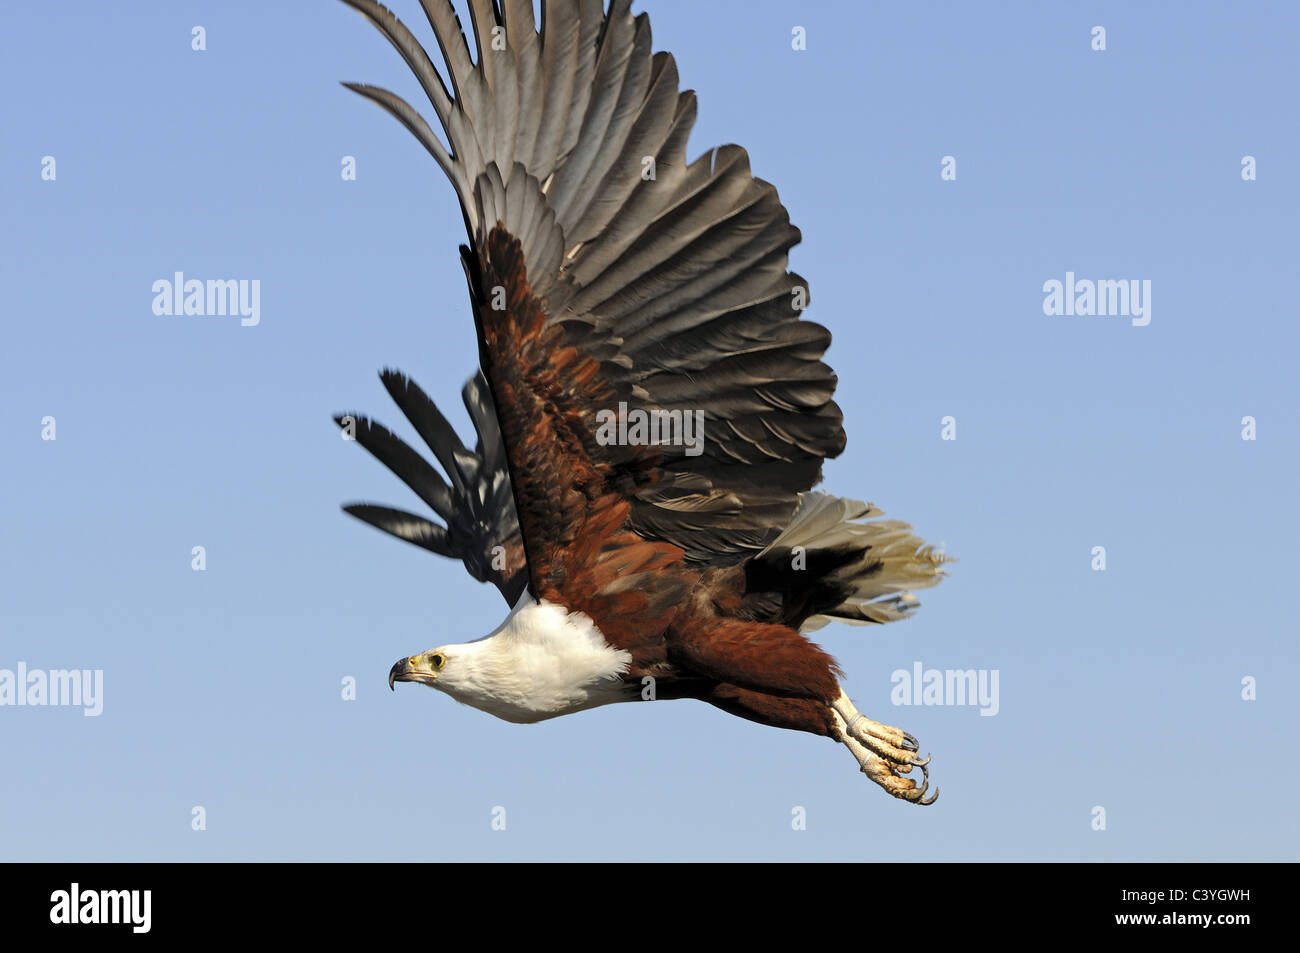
(862, 569)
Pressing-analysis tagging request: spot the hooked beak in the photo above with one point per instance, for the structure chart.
(413, 668)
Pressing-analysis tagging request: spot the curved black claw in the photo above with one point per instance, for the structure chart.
(925, 774)
(919, 795)
(910, 743)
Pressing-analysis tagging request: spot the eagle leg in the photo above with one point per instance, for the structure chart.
(770, 659)
(883, 753)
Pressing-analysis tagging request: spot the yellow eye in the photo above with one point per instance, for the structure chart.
(437, 660)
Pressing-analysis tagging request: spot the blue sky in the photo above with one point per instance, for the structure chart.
(1119, 689)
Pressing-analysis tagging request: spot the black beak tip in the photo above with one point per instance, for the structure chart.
(399, 668)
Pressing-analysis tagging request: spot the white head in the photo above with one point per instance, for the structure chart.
(543, 661)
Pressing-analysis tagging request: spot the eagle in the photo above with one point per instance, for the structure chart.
(652, 410)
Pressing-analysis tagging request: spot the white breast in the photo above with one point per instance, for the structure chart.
(542, 662)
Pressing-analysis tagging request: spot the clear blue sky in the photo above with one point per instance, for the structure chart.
(1119, 689)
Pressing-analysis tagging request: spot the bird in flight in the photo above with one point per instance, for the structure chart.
(652, 410)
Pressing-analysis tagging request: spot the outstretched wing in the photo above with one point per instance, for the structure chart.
(482, 527)
(633, 278)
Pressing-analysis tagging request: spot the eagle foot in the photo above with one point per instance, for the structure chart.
(888, 776)
(892, 744)
(885, 754)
